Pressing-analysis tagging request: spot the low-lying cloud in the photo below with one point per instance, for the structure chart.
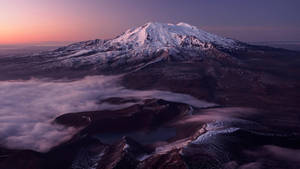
(28, 108)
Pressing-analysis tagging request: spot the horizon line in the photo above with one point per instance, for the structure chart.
(55, 43)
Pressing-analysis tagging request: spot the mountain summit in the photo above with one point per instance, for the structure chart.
(159, 35)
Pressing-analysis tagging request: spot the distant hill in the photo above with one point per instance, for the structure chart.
(18, 50)
(291, 45)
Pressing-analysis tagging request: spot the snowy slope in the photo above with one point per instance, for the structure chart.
(158, 35)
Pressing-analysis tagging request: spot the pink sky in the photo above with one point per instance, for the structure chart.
(31, 21)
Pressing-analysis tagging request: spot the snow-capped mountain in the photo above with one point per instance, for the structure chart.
(141, 46)
(157, 36)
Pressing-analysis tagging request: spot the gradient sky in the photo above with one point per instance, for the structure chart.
(31, 21)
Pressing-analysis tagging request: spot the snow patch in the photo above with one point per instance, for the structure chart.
(126, 147)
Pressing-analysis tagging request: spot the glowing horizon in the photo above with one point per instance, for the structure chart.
(33, 21)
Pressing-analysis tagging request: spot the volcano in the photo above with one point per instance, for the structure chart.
(158, 96)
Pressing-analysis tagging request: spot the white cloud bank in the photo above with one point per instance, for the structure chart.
(27, 109)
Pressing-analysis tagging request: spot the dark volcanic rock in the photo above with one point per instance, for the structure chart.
(122, 155)
(149, 115)
(266, 79)
(171, 160)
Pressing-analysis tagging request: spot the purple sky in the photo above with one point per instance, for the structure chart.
(75, 20)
